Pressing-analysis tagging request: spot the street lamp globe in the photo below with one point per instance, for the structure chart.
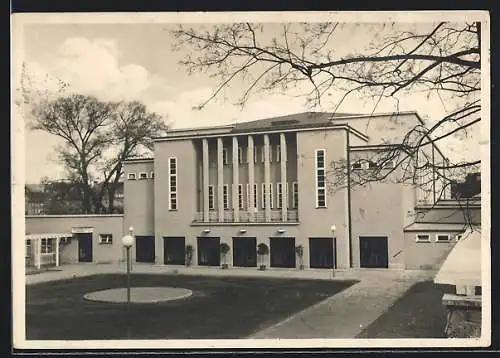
(128, 240)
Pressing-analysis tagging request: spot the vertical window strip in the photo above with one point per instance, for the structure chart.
(295, 198)
(240, 196)
(211, 197)
(279, 193)
(320, 178)
(225, 196)
(263, 195)
(255, 196)
(172, 170)
(278, 153)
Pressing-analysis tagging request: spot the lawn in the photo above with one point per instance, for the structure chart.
(220, 307)
(417, 314)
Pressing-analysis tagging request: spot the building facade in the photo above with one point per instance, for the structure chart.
(269, 182)
(266, 182)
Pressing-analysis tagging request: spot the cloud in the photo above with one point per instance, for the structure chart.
(93, 67)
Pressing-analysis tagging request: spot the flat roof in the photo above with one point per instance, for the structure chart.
(429, 227)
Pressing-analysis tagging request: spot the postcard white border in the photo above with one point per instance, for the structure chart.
(19, 20)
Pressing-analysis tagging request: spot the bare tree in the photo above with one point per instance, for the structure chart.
(98, 137)
(81, 121)
(443, 59)
(132, 133)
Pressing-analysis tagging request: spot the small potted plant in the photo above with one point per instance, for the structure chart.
(262, 251)
(299, 250)
(189, 255)
(224, 249)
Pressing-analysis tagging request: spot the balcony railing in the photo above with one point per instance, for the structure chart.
(247, 217)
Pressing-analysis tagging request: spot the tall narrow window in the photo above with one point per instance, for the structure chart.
(255, 196)
(295, 197)
(224, 156)
(211, 197)
(279, 193)
(240, 196)
(225, 196)
(263, 193)
(320, 179)
(172, 170)
(278, 153)
(241, 158)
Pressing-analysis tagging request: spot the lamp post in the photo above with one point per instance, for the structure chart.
(128, 242)
(332, 229)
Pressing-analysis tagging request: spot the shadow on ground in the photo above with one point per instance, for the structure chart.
(417, 314)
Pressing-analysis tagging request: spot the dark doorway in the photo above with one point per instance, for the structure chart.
(373, 252)
(322, 252)
(245, 251)
(84, 247)
(282, 252)
(174, 250)
(208, 251)
(145, 249)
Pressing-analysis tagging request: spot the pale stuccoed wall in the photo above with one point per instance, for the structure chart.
(426, 255)
(101, 224)
(139, 198)
(174, 222)
(316, 222)
(381, 209)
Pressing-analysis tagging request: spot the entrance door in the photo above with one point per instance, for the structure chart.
(322, 252)
(145, 249)
(282, 252)
(373, 252)
(84, 247)
(208, 251)
(174, 250)
(245, 251)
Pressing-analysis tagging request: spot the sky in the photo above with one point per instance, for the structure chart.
(136, 62)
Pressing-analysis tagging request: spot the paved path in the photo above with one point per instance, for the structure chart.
(343, 315)
(347, 313)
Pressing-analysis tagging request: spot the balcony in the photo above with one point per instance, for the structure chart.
(247, 217)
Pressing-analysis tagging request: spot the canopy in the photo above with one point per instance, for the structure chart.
(463, 264)
(47, 236)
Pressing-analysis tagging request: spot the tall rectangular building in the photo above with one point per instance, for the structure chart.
(269, 182)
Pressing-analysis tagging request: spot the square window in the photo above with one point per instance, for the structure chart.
(423, 238)
(131, 176)
(152, 175)
(105, 239)
(442, 238)
(143, 175)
